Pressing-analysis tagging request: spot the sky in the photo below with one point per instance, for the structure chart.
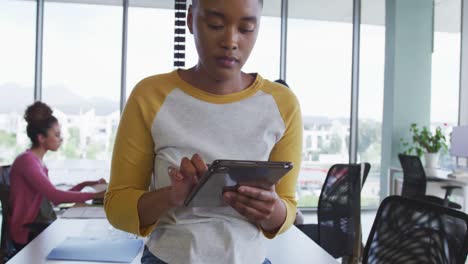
(82, 52)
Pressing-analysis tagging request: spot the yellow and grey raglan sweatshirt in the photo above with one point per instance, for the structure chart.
(166, 119)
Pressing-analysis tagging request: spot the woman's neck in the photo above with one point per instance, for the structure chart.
(197, 77)
(39, 152)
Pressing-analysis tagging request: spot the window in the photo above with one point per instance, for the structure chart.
(371, 87)
(17, 53)
(150, 42)
(446, 69)
(319, 72)
(265, 57)
(81, 81)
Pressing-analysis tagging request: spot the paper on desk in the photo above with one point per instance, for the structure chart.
(99, 187)
(99, 228)
(101, 249)
(85, 212)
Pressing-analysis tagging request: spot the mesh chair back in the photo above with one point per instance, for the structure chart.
(407, 230)
(5, 175)
(5, 192)
(365, 172)
(6, 244)
(339, 209)
(414, 177)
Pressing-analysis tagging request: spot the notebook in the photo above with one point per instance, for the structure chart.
(97, 249)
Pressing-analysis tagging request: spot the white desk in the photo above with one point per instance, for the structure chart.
(441, 177)
(290, 247)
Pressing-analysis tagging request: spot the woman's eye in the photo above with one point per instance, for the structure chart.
(246, 30)
(216, 27)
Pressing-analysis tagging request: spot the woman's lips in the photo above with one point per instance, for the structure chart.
(226, 61)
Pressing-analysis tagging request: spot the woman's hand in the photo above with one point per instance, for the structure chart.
(91, 183)
(99, 195)
(101, 181)
(185, 178)
(260, 206)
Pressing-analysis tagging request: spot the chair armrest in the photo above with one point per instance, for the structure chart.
(448, 190)
(441, 201)
(451, 187)
(37, 227)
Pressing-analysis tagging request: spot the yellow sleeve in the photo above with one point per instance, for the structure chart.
(132, 162)
(288, 148)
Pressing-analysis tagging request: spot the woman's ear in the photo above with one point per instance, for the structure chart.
(190, 19)
(41, 139)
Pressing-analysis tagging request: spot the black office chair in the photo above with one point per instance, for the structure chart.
(411, 231)
(366, 168)
(7, 249)
(338, 210)
(414, 182)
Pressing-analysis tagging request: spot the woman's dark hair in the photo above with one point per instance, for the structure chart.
(40, 119)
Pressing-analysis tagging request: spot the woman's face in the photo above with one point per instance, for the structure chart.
(53, 140)
(225, 33)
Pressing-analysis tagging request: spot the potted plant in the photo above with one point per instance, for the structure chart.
(427, 143)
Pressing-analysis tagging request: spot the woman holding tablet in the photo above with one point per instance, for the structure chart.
(175, 123)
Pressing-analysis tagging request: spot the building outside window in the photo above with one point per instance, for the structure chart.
(319, 60)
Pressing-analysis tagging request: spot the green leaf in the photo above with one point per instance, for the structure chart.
(425, 141)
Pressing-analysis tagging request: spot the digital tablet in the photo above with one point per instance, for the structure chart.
(227, 175)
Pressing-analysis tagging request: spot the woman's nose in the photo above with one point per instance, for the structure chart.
(230, 40)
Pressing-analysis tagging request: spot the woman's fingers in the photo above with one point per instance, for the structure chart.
(174, 174)
(199, 164)
(185, 177)
(187, 168)
(193, 168)
(180, 186)
(102, 180)
(254, 203)
(253, 210)
(258, 193)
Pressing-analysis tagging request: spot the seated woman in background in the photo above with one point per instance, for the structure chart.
(31, 191)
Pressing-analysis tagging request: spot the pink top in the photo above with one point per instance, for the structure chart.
(29, 184)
